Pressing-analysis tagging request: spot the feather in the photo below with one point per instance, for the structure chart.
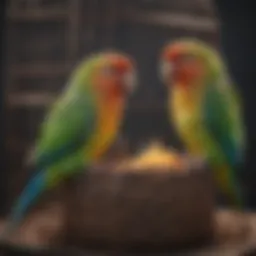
(29, 195)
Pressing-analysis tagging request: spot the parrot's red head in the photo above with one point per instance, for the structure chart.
(183, 63)
(115, 75)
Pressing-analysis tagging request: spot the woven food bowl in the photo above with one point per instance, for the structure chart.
(144, 209)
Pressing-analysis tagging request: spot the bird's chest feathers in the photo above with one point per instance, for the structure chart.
(187, 118)
(108, 123)
(109, 118)
(185, 108)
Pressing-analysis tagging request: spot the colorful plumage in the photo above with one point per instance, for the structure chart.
(206, 111)
(80, 127)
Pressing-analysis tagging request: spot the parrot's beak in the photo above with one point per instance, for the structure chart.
(125, 84)
(166, 71)
(129, 81)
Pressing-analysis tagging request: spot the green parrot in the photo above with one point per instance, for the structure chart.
(206, 110)
(81, 126)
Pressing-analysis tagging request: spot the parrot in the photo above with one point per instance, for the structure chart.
(80, 126)
(206, 111)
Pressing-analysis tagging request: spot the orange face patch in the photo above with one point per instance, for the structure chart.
(172, 52)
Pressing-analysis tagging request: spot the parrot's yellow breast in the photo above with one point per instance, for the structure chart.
(186, 118)
(108, 124)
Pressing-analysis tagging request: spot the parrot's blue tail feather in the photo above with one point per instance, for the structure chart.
(31, 192)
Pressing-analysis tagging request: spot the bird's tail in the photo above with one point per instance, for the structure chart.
(27, 198)
(229, 185)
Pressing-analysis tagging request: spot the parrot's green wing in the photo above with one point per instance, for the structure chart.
(59, 151)
(67, 128)
(222, 117)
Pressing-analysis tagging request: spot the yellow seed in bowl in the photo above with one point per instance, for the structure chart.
(156, 155)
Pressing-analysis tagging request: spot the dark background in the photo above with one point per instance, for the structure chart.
(45, 40)
(3, 171)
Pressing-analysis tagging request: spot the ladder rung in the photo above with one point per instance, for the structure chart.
(37, 70)
(30, 99)
(176, 20)
(38, 15)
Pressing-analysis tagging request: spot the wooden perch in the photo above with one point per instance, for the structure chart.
(139, 209)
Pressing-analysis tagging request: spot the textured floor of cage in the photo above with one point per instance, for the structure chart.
(234, 232)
